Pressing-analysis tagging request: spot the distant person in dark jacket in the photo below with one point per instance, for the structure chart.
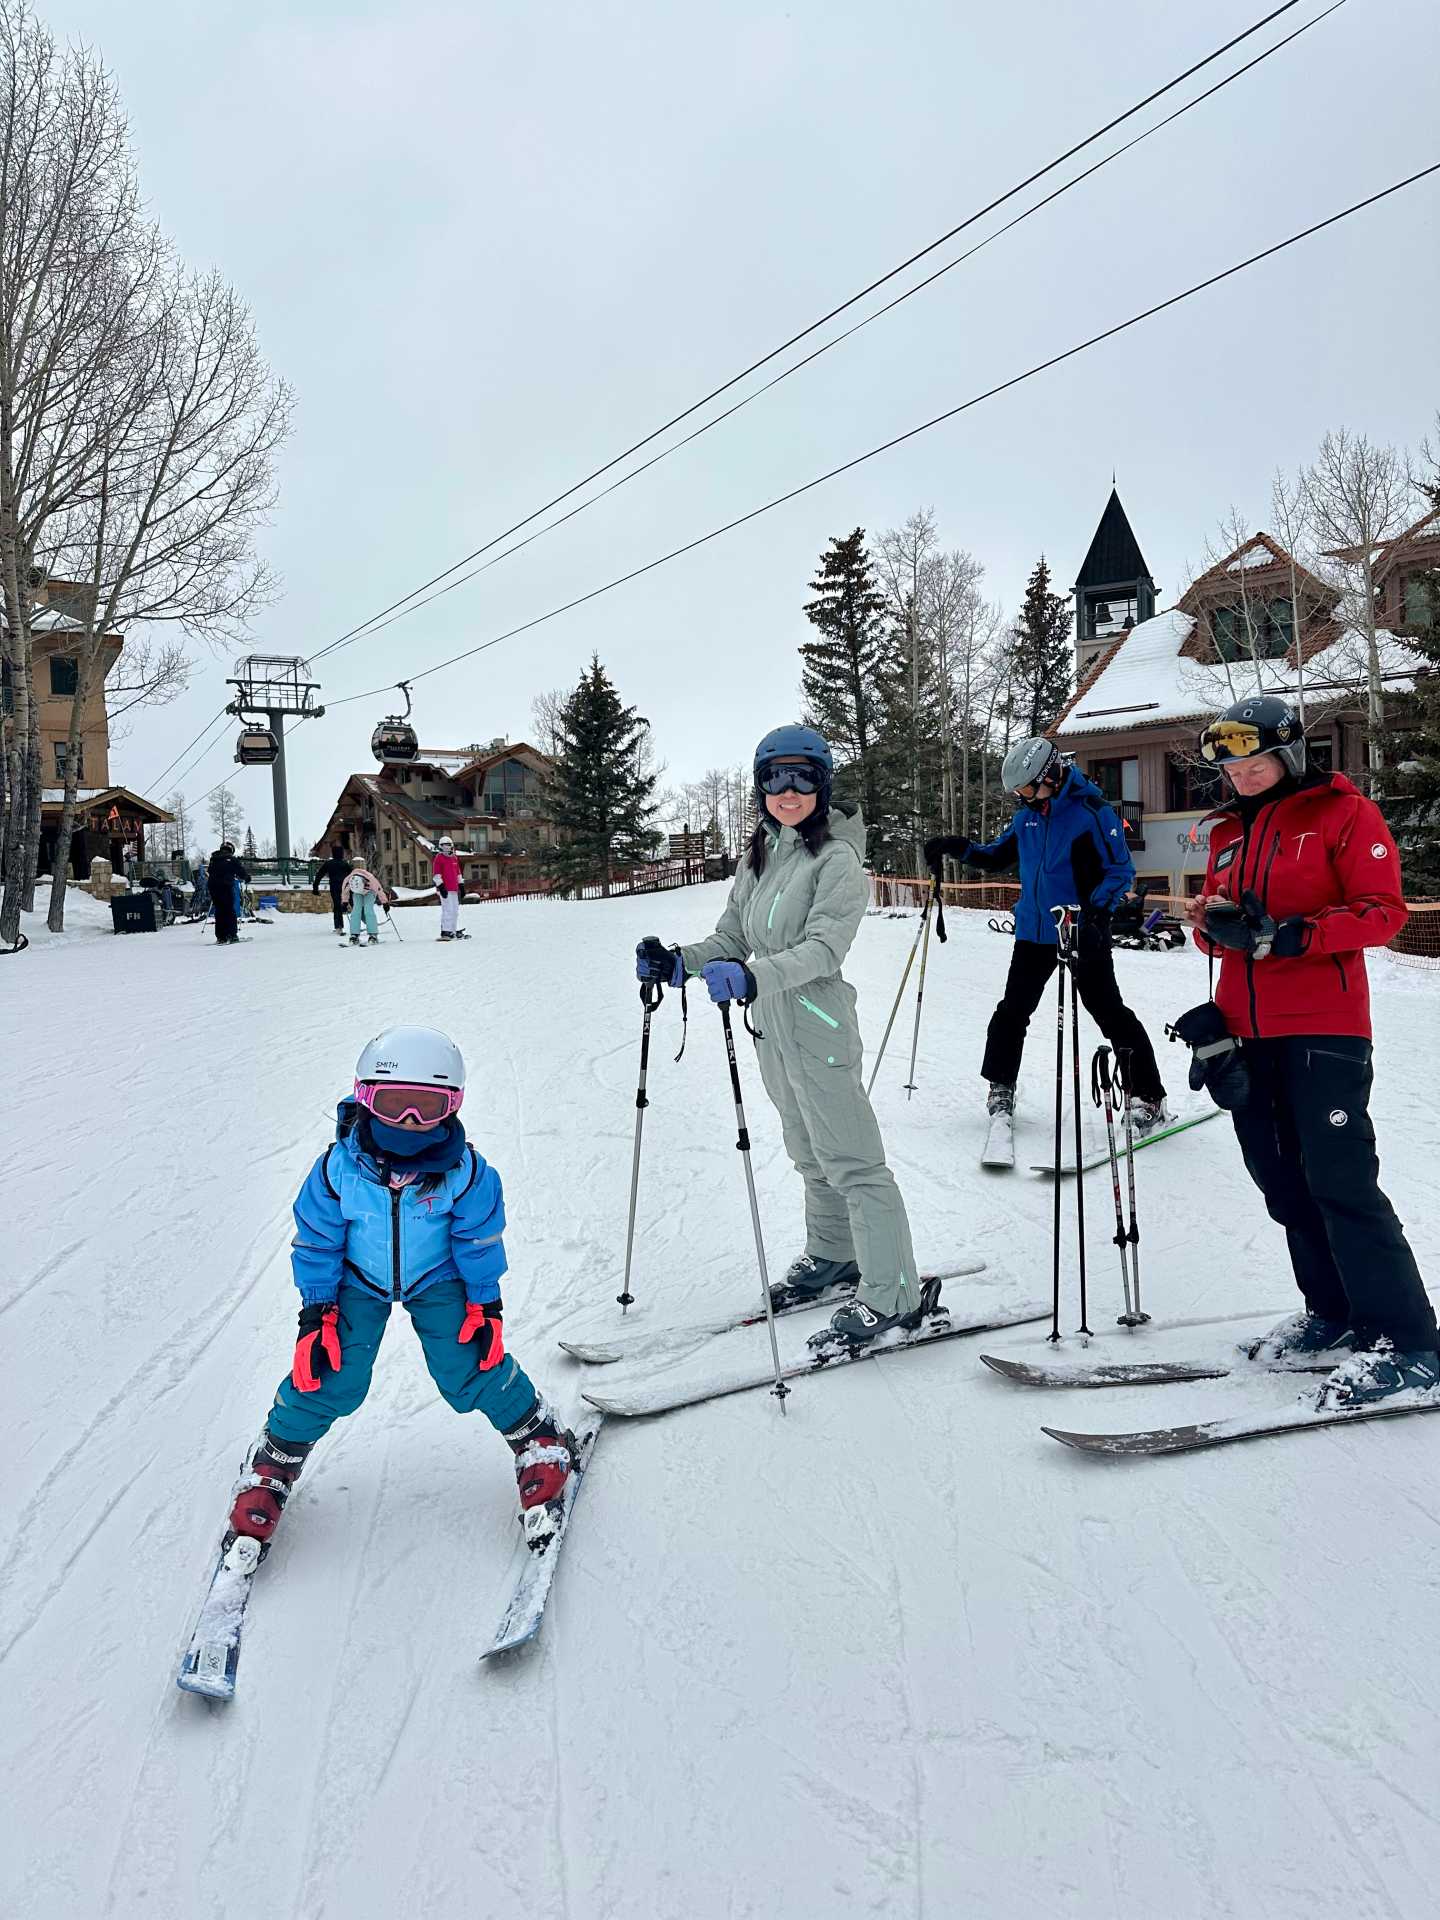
(226, 878)
(1069, 844)
(334, 870)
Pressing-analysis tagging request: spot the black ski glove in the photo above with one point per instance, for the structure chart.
(1093, 937)
(945, 846)
(1216, 1059)
(1248, 928)
(655, 961)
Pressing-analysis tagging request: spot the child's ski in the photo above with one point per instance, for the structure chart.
(936, 1327)
(214, 1651)
(536, 1567)
(650, 1343)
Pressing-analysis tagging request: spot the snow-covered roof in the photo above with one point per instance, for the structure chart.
(1147, 682)
(55, 796)
(1257, 554)
(51, 620)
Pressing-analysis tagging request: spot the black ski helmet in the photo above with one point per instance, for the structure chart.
(1263, 723)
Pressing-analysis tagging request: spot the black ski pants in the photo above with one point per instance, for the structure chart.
(335, 907)
(1309, 1146)
(1031, 965)
(224, 904)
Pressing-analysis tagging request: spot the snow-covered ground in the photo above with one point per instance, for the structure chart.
(897, 1654)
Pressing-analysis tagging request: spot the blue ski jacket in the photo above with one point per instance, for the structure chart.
(1070, 853)
(396, 1241)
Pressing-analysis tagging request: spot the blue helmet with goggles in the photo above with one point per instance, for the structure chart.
(795, 744)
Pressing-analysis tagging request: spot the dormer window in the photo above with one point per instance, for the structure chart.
(1253, 630)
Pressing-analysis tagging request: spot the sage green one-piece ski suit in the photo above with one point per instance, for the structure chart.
(793, 926)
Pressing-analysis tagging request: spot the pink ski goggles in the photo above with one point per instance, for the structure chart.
(392, 1101)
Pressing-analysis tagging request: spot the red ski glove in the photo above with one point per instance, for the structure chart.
(317, 1351)
(484, 1321)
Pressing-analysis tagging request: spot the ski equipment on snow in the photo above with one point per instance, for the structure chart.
(651, 994)
(784, 1300)
(931, 1332)
(535, 1574)
(742, 1141)
(1303, 1417)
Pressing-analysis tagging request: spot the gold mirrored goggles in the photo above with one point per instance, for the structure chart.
(1231, 740)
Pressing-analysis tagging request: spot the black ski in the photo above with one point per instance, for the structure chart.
(1301, 1418)
(936, 1327)
(1135, 1373)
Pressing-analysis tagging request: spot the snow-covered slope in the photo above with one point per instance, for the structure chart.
(896, 1654)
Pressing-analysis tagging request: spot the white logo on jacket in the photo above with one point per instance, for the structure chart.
(1338, 1117)
(1301, 838)
(1379, 851)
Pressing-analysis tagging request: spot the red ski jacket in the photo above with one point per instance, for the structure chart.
(1321, 851)
(446, 871)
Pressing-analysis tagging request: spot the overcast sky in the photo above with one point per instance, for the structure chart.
(491, 245)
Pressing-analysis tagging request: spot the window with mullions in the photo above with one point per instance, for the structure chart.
(62, 760)
(1422, 593)
(1191, 787)
(1255, 630)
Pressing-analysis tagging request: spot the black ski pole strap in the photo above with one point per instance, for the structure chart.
(684, 1017)
(755, 1033)
(938, 897)
(1100, 1082)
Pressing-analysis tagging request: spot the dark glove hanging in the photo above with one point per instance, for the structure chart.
(655, 961)
(1093, 938)
(1217, 1061)
(1248, 928)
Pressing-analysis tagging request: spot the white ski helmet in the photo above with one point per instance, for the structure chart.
(1028, 762)
(420, 1056)
(447, 845)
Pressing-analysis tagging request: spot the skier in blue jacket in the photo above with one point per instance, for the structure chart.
(400, 1210)
(1069, 844)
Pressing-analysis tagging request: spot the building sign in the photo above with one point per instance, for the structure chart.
(1184, 840)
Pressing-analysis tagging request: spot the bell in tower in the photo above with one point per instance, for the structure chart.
(1113, 590)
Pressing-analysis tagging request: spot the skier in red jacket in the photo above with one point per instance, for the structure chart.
(446, 872)
(1303, 876)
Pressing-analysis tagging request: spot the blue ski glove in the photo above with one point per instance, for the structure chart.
(654, 961)
(728, 980)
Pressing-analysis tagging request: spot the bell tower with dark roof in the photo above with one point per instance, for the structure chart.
(1113, 589)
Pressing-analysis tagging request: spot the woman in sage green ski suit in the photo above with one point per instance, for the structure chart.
(792, 923)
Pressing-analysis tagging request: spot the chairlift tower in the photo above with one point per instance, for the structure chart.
(274, 685)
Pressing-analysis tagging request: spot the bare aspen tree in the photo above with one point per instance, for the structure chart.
(901, 556)
(1358, 496)
(72, 244)
(226, 816)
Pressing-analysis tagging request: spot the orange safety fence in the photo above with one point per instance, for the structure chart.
(1416, 944)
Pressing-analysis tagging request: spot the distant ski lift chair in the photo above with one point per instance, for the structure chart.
(256, 747)
(395, 742)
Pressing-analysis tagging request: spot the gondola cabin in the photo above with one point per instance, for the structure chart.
(394, 742)
(256, 747)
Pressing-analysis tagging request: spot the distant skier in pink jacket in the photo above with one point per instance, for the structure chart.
(447, 884)
(360, 891)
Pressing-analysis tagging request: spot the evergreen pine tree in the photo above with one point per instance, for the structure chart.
(842, 669)
(250, 852)
(601, 799)
(1042, 655)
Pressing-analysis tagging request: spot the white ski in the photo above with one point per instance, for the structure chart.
(536, 1566)
(1000, 1142)
(651, 1343)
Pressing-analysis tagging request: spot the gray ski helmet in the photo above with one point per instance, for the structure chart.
(1262, 724)
(1029, 761)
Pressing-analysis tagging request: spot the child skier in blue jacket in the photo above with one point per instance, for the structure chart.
(401, 1210)
(1069, 844)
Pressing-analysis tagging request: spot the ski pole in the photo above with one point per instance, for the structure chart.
(1122, 1057)
(924, 927)
(1102, 1088)
(390, 922)
(625, 1298)
(1058, 913)
(742, 1142)
(920, 990)
(1071, 958)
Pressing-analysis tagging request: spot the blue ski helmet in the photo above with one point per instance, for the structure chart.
(797, 743)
